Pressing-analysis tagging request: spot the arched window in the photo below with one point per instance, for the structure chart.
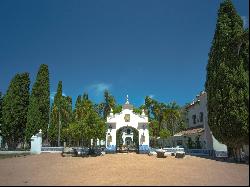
(128, 131)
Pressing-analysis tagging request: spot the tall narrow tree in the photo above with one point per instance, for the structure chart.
(227, 80)
(55, 127)
(61, 116)
(108, 103)
(15, 108)
(39, 105)
(77, 108)
(1, 113)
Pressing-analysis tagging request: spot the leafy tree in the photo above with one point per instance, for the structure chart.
(153, 131)
(34, 119)
(95, 125)
(15, 107)
(117, 109)
(1, 108)
(61, 115)
(98, 109)
(164, 117)
(108, 103)
(164, 133)
(197, 142)
(1, 113)
(39, 104)
(173, 118)
(77, 107)
(190, 143)
(155, 110)
(148, 104)
(137, 110)
(227, 81)
(72, 134)
(87, 123)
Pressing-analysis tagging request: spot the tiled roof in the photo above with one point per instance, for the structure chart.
(127, 106)
(190, 131)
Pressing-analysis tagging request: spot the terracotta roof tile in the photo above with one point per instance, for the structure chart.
(190, 131)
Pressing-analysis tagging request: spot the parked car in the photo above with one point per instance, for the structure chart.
(152, 151)
(68, 151)
(83, 151)
(95, 151)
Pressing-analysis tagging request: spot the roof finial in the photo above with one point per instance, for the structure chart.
(127, 102)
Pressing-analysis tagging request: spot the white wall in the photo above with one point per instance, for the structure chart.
(195, 109)
(36, 143)
(136, 121)
(208, 141)
(211, 142)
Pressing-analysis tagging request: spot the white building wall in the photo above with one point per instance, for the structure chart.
(195, 109)
(116, 121)
(208, 141)
(201, 106)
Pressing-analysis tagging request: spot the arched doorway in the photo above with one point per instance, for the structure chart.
(127, 139)
(127, 118)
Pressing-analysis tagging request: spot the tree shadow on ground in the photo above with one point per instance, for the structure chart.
(227, 160)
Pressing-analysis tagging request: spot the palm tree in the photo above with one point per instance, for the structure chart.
(58, 111)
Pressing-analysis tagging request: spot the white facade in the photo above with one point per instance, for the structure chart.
(127, 118)
(197, 119)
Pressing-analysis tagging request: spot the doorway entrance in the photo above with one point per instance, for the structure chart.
(127, 139)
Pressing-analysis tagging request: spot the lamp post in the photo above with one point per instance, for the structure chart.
(59, 128)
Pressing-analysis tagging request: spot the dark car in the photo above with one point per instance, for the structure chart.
(95, 151)
(81, 151)
(68, 151)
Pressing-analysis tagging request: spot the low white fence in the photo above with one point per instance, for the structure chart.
(221, 154)
(52, 149)
(207, 152)
(173, 149)
(200, 152)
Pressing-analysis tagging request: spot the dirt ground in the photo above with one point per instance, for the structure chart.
(120, 169)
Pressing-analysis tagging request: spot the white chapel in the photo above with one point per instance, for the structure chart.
(125, 122)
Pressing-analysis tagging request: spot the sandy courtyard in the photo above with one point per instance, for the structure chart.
(119, 169)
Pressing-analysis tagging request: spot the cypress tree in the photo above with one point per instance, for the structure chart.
(227, 80)
(33, 119)
(15, 108)
(61, 114)
(38, 112)
(77, 108)
(1, 108)
(54, 116)
(108, 103)
(1, 115)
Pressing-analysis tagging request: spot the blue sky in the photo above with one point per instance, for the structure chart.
(158, 48)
